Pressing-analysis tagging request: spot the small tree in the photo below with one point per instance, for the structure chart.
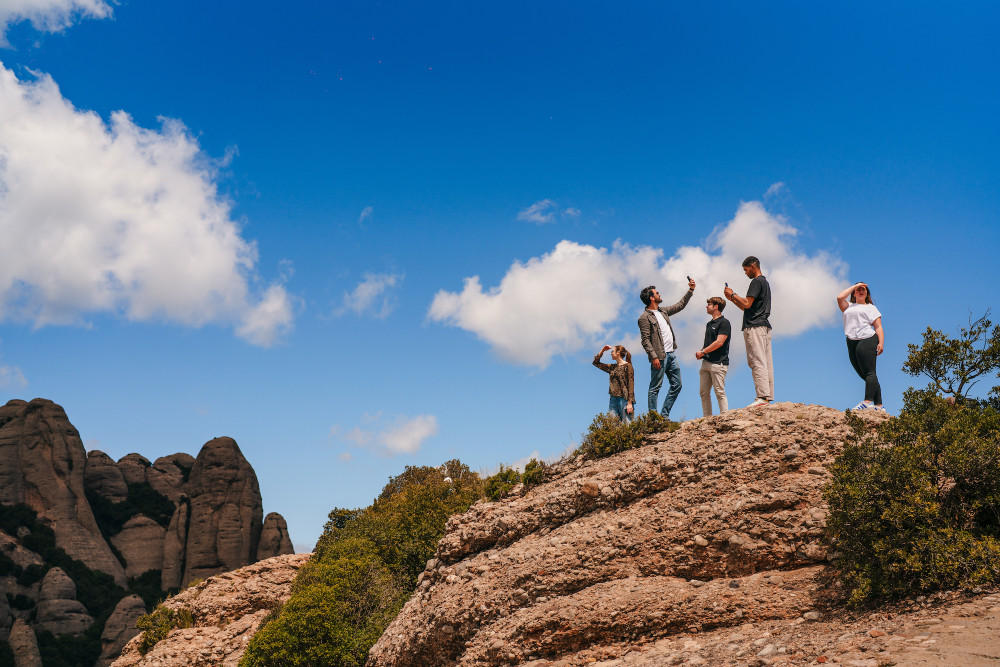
(954, 365)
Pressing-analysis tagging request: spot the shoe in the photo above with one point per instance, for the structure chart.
(879, 408)
(863, 405)
(758, 402)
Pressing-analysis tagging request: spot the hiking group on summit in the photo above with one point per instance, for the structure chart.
(862, 328)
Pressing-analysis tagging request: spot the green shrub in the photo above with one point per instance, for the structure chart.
(6, 655)
(534, 473)
(915, 502)
(364, 568)
(339, 607)
(499, 485)
(67, 650)
(609, 435)
(19, 601)
(157, 625)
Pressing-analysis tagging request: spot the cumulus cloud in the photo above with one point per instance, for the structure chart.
(49, 15)
(372, 295)
(114, 218)
(389, 437)
(578, 295)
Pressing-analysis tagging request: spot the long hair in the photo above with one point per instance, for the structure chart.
(868, 295)
(622, 352)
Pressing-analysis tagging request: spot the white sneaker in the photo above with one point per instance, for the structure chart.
(863, 405)
(758, 402)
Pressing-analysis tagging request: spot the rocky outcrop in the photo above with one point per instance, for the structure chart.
(6, 620)
(227, 610)
(173, 548)
(103, 478)
(168, 475)
(133, 468)
(274, 539)
(226, 512)
(24, 645)
(42, 463)
(699, 529)
(58, 610)
(140, 542)
(120, 628)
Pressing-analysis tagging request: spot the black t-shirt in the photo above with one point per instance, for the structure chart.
(720, 326)
(758, 312)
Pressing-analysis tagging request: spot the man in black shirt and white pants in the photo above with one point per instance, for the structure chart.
(756, 307)
(714, 356)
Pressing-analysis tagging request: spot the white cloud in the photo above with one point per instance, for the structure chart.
(541, 212)
(578, 295)
(371, 295)
(114, 218)
(49, 15)
(776, 189)
(345, 457)
(366, 213)
(400, 435)
(571, 212)
(11, 378)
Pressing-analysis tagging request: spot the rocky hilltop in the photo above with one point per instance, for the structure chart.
(163, 524)
(716, 525)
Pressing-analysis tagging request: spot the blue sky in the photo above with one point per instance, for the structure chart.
(264, 221)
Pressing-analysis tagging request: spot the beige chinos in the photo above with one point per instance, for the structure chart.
(758, 343)
(713, 376)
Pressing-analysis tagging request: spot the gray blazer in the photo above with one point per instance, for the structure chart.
(649, 329)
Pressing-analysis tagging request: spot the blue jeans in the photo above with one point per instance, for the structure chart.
(672, 370)
(617, 405)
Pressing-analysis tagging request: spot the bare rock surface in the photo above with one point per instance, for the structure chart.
(226, 513)
(716, 525)
(168, 475)
(274, 539)
(42, 464)
(140, 542)
(24, 645)
(103, 477)
(133, 468)
(227, 610)
(58, 610)
(120, 628)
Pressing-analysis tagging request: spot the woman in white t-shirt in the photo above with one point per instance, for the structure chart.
(865, 340)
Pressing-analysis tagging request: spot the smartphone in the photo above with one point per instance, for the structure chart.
(689, 278)
(727, 284)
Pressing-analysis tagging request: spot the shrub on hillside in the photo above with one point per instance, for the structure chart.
(157, 624)
(534, 473)
(609, 435)
(499, 485)
(915, 501)
(364, 568)
(340, 605)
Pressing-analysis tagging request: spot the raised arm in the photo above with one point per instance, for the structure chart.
(679, 306)
(597, 360)
(842, 298)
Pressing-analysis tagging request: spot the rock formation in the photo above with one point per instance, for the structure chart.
(24, 645)
(227, 610)
(697, 530)
(42, 462)
(274, 539)
(226, 513)
(120, 628)
(140, 542)
(103, 477)
(58, 610)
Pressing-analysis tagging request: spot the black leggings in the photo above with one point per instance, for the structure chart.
(863, 354)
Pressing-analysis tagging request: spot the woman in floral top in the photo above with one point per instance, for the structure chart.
(622, 387)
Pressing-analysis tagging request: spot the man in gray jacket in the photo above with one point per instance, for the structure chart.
(659, 342)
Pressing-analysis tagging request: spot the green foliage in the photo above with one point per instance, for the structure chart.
(534, 473)
(364, 568)
(954, 365)
(142, 499)
(9, 567)
(19, 601)
(157, 625)
(148, 586)
(609, 435)
(6, 655)
(340, 605)
(499, 485)
(915, 502)
(67, 650)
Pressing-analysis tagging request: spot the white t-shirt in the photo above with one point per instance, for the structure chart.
(668, 337)
(858, 320)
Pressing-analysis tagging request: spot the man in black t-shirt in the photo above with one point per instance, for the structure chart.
(756, 307)
(714, 355)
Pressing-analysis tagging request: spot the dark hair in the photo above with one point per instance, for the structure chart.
(868, 295)
(718, 301)
(646, 295)
(751, 260)
(622, 352)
